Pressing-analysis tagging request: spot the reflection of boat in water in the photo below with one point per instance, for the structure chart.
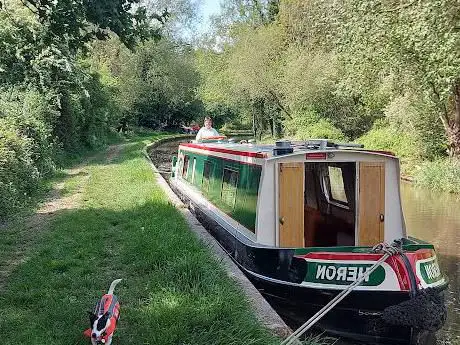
(301, 221)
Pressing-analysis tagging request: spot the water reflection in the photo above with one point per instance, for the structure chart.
(435, 218)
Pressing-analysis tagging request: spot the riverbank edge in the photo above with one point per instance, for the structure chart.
(265, 314)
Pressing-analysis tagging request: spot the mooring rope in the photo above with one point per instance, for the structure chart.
(388, 251)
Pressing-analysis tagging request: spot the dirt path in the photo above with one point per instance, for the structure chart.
(113, 152)
(30, 230)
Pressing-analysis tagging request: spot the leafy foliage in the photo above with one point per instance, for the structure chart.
(82, 21)
(19, 177)
(53, 96)
(308, 124)
(385, 72)
(160, 83)
(439, 175)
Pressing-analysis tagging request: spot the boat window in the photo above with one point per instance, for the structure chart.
(336, 185)
(207, 173)
(329, 204)
(229, 185)
(193, 170)
(185, 166)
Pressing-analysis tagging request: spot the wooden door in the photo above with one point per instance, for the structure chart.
(371, 203)
(291, 204)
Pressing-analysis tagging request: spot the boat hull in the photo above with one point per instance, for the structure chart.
(278, 276)
(358, 317)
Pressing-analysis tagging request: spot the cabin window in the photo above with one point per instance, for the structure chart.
(185, 167)
(329, 204)
(193, 170)
(229, 186)
(207, 173)
(336, 186)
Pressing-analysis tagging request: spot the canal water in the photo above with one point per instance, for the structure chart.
(435, 218)
(430, 216)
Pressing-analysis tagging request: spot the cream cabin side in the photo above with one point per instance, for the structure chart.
(329, 198)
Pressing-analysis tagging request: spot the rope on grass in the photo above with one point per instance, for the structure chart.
(387, 250)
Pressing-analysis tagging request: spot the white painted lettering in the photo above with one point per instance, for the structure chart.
(432, 270)
(351, 275)
(429, 271)
(361, 273)
(330, 272)
(341, 273)
(320, 271)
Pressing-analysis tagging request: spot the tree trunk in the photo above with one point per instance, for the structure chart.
(254, 128)
(453, 139)
(453, 131)
(450, 118)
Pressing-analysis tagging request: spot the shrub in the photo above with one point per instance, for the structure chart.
(388, 138)
(440, 175)
(19, 177)
(30, 114)
(308, 125)
(414, 117)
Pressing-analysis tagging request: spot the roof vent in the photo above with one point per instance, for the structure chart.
(282, 147)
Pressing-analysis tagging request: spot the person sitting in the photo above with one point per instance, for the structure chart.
(207, 131)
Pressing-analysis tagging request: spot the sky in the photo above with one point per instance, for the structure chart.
(207, 9)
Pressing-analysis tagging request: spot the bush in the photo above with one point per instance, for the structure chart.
(27, 148)
(29, 113)
(19, 177)
(440, 175)
(388, 138)
(308, 125)
(414, 117)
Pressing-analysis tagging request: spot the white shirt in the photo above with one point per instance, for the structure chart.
(204, 133)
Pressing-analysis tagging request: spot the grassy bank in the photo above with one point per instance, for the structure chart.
(173, 292)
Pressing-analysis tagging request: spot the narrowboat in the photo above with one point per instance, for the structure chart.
(301, 220)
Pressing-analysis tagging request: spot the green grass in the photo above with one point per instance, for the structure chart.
(173, 291)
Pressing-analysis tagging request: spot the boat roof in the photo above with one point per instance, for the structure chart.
(267, 150)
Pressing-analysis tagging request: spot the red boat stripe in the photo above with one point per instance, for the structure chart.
(231, 152)
(342, 256)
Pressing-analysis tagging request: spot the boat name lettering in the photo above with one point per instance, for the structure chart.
(432, 270)
(343, 273)
(349, 274)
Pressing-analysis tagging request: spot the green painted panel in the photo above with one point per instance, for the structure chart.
(343, 274)
(241, 203)
(430, 271)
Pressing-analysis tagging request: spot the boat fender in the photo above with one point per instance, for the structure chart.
(426, 311)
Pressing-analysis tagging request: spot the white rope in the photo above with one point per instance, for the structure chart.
(383, 247)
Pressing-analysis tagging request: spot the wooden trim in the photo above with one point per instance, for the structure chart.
(291, 204)
(371, 203)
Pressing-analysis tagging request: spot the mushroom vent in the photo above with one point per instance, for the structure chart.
(282, 147)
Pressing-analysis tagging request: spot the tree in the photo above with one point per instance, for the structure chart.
(160, 85)
(82, 21)
(413, 42)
